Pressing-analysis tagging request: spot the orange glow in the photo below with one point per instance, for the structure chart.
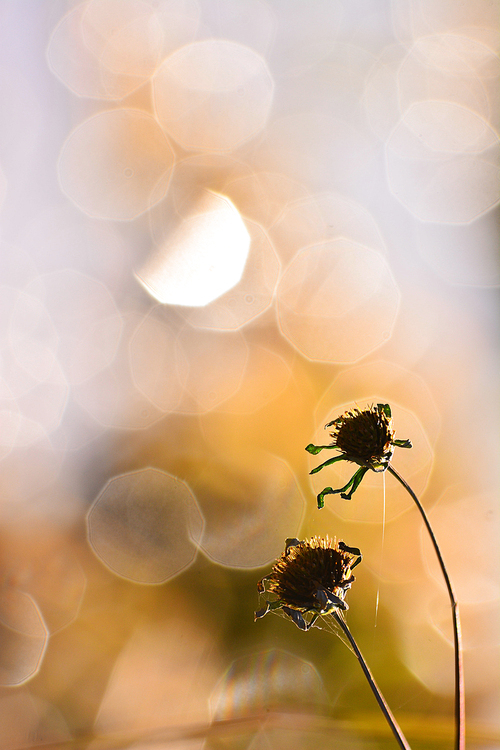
(223, 223)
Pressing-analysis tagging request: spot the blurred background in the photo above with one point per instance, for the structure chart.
(224, 222)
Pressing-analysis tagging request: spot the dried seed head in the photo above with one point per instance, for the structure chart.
(366, 436)
(311, 566)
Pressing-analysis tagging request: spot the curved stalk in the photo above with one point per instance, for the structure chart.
(398, 734)
(457, 635)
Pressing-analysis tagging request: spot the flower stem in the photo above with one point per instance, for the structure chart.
(457, 635)
(398, 734)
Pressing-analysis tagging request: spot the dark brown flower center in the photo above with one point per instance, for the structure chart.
(364, 434)
(312, 565)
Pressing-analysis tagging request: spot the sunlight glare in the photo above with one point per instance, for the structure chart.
(204, 258)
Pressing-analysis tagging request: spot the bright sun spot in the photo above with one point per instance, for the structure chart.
(204, 257)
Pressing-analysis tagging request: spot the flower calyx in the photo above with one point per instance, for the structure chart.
(364, 437)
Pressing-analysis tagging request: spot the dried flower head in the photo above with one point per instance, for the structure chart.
(366, 434)
(310, 576)
(313, 576)
(366, 438)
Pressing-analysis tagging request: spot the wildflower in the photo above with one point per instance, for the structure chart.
(310, 576)
(313, 576)
(365, 438)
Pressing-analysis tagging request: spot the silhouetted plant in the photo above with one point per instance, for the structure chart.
(312, 577)
(366, 438)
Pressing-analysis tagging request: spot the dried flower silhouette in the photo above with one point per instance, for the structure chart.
(365, 438)
(310, 576)
(313, 576)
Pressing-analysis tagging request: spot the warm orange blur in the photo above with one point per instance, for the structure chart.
(223, 224)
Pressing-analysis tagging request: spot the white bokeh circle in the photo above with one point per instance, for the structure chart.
(145, 526)
(442, 163)
(213, 95)
(116, 165)
(337, 301)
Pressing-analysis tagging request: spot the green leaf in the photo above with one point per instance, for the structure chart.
(354, 483)
(321, 496)
(327, 463)
(315, 449)
(386, 409)
(403, 443)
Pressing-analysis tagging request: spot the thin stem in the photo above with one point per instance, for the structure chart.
(457, 634)
(398, 734)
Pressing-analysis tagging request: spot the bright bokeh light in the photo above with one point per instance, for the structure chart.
(123, 35)
(325, 216)
(145, 526)
(204, 257)
(213, 95)
(174, 221)
(116, 165)
(337, 302)
(106, 49)
(251, 296)
(442, 163)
